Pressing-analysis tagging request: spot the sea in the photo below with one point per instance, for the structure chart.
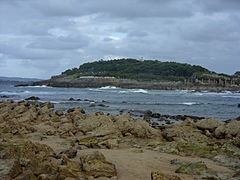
(114, 100)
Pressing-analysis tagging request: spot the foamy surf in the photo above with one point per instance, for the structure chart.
(189, 103)
(134, 91)
(42, 86)
(109, 87)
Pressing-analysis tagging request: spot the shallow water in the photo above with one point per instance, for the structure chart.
(206, 104)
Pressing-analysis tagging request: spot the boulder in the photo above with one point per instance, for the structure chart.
(228, 130)
(183, 133)
(59, 112)
(49, 105)
(138, 128)
(208, 124)
(161, 176)
(95, 164)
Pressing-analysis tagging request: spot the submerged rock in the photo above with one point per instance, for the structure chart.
(33, 98)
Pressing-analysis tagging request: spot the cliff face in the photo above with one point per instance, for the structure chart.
(96, 82)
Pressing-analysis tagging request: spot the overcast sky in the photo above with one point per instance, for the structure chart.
(41, 38)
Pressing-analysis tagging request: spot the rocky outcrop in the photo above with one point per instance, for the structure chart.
(95, 164)
(27, 160)
(208, 124)
(74, 131)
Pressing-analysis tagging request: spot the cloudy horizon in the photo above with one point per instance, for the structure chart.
(39, 39)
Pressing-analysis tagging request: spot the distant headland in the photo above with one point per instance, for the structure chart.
(145, 74)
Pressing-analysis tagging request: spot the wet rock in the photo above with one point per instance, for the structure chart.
(59, 112)
(32, 98)
(49, 105)
(156, 115)
(76, 111)
(99, 113)
(177, 162)
(208, 124)
(147, 115)
(238, 105)
(73, 99)
(161, 176)
(95, 164)
(92, 105)
(198, 168)
(102, 105)
(4, 96)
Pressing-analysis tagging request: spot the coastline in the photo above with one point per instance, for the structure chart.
(74, 144)
(69, 82)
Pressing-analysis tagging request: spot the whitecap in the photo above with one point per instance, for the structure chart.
(189, 103)
(231, 96)
(139, 91)
(42, 86)
(109, 87)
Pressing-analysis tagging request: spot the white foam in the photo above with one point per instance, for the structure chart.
(139, 91)
(134, 91)
(15, 93)
(43, 86)
(189, 103)
(109, 87)
(231, 96)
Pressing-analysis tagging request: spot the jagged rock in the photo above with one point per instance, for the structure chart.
(183, 133)
(138, 128)
(228, 130)
(198, 168)
(71, 153)
(161, 176)
(208, 124)
(73, 99)
(59, 112)
(33, 98)
(49, 105)
(95, 164)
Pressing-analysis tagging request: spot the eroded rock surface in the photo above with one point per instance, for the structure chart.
(38, 142)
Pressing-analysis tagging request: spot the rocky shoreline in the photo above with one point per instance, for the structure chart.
(39, 142)
(97, 82)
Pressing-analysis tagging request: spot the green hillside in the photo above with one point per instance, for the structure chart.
(135, 69)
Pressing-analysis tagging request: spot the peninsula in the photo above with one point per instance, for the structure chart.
(145, 74)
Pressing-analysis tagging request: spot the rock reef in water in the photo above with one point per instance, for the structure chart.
(37, 142)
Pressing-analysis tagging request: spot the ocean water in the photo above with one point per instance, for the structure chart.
(222, 105)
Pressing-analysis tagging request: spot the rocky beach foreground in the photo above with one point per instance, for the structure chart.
(39, 142)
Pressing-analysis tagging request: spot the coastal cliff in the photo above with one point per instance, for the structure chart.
(131, 73)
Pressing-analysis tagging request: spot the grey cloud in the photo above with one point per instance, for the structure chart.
(137, 33)
(42, 38)
(59, 43)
